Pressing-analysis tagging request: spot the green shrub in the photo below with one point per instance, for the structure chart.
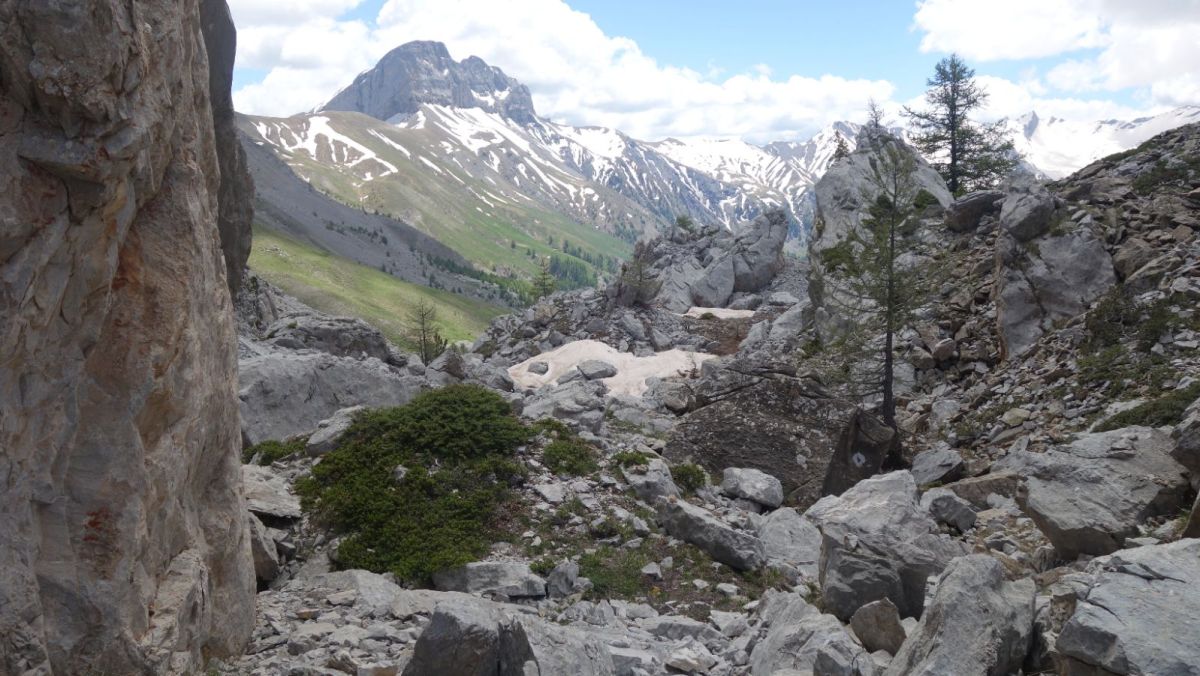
(614, 572)
(1166, 410)
(456, 444)
(708, 315)
(569, 456)
(270, 451)
(923, 200)
(1159, 319)
(1110, 320)
(630, 458)
(690, 478)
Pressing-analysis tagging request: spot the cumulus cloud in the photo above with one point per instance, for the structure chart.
(580, 75)
(1150, 46)
(576, 72)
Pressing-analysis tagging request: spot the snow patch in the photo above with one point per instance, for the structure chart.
(632, 371)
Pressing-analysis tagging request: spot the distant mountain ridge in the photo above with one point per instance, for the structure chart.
(457, 150)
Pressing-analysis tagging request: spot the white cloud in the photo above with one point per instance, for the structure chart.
(1015, 29)
(576, 72)
(1149, 46)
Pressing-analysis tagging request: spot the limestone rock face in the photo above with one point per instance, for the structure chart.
(1047, 280)
(977, 624)
(125, 545)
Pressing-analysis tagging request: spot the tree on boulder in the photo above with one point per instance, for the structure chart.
(840, 150)
(970, 156)
(423, 331)
(867, 277)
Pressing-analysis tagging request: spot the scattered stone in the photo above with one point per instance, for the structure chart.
(700, 527)
(510, 579)
(877, 625)
(330, 431)
(940, 464)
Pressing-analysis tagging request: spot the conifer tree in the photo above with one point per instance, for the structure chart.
(841, 149)
(968, 155)
(543, 283)
(422, 330)
(868, 277)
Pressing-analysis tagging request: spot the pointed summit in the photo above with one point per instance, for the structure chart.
(422, 72)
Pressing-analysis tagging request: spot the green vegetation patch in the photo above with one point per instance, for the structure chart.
(340, 286)
(420, 487)
(1166, 410)
(630, 458)
(270, 451)
(690, 478)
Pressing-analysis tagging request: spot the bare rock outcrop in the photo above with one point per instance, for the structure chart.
(124, 542)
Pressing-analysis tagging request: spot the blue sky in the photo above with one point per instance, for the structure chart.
(756, 69)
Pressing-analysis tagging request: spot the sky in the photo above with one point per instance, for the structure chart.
(759, 70)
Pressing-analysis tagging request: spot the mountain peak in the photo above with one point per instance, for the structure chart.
(423, 72)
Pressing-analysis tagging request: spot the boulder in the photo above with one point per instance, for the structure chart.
(977, 624)
(940, 464)
(288, 393)
(126, 223)
(1089, 495)
(1027, 209)
(801, 638)
(1137, 615)
(877, 542)
(329, 432)
(792, 541)
(595, 369)
(580, 403)
(529, 645)
(561, 581)
(878, 626)
(966, 212)
(268, 493)
(502, 578)
(1132, 256)
(947, 508)
(754, 485)
(976, 490)
(262, 548)
(758, 251)
(461, 638)
(338, 336)
(651, 482)
(756, 416)
(734, 548)
(1042, 282)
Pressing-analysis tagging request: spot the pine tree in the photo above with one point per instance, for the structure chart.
(864, 278)
(841, 149)
(968, 155)
(422, 330)
(543, 283)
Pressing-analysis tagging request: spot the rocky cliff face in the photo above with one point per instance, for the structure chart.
(124, 549)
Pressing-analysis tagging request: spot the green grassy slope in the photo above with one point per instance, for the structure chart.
(338, 286)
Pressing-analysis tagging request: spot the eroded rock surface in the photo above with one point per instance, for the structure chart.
(126, 548)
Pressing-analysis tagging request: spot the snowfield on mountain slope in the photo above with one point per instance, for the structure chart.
(632, 371)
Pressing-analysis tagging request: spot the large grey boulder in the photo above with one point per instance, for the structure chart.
(977, 624)
(1138, 615)
(124, 217)
(941, 464)
(503, 578)
(734, 548)
(753, 485)
(1027, 210)
(461, 638)
(595, 369)
(329, 432)
(802, 638)
(262, 548)
(285, 393)
(339, 336)
(792, 542)
(877, 542)
(268, 493)
(473, 637)
(1088, 496)
(579, 402)
(757, 251)
(878, 626)
(651, 481)
(966, 212)
(758, 416)
(1047, 280)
